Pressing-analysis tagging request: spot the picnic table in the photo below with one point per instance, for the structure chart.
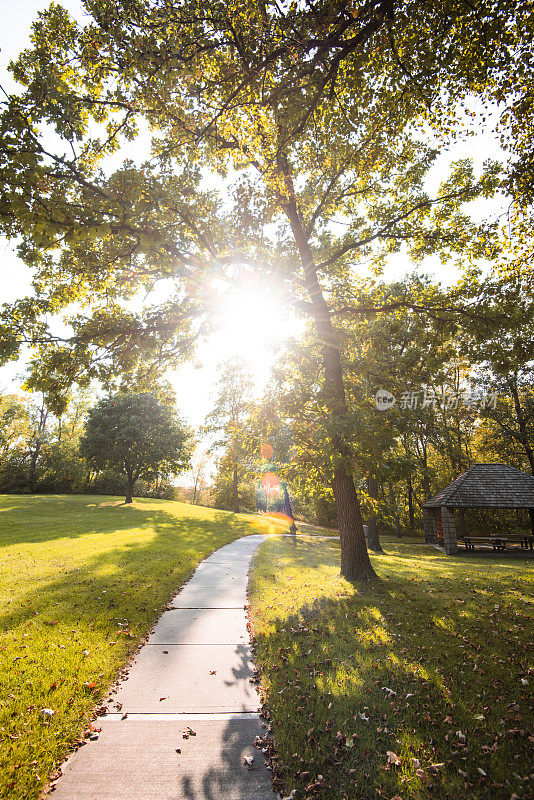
(499, 543)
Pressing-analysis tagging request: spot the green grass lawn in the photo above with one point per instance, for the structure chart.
(82, 580)
(416, 687)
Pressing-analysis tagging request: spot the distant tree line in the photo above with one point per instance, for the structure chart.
(122, 443)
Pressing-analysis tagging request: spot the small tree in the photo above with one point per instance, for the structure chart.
(137, 435)
(199, 467)
(227, 419)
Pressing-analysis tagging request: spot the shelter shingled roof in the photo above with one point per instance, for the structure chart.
(487, 486)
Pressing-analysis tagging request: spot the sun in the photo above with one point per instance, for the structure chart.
(252, 323)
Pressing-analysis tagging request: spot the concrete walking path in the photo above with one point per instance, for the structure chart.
(183, 721)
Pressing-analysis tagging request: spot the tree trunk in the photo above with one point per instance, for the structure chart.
(38, 443)
(355, 563)
(426, 478)
(395, 509)
(521, 422)
(289, 509)
(129, 489)
(373, 539)
(236, 490)
(33, 465)
(411, 512)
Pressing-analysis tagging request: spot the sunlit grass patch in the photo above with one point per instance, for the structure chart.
(430, 666)
(82, 579)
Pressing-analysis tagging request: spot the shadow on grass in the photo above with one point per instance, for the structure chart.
(436, 648)
(139, 569)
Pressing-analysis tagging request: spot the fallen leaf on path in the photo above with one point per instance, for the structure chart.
(248, 761)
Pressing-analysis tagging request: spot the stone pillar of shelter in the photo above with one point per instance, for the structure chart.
(429, 526)
(449, 531)
(462, 530)
(439, 526)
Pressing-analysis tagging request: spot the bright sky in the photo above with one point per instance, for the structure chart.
(255, 324)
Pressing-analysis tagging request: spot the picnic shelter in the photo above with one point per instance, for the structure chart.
(491, 486)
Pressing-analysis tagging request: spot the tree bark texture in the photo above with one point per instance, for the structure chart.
(411, 512)
(522, 423)
(395, 509)
(38, 443)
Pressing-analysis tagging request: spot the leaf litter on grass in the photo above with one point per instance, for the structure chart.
(397, 661)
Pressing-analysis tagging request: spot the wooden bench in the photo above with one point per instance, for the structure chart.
(499, 543)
